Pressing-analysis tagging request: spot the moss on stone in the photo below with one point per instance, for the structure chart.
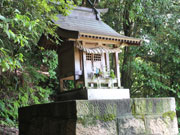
(107, 117)
(83, 108)
(93, 112)
(87, 120)
(149, 106)
(133, 108)
(170, 114)
(111, 109)
(92, 120)
(158, 106)
(140, 106)
(138, 112)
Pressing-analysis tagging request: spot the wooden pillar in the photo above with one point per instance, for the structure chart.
(61, 85)
(59, 68)
(84, 68)
(117, 69)
(92, 61)
(75, 82)
(103, 63)
(107, 61)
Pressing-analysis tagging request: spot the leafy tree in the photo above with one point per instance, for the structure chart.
(152, 69)
(22, 61)
(157, 23)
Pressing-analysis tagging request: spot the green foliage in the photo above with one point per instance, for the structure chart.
(69, 84)
(9, 63)
(170, 114)
(112, 75)
(51, 59)
(21, 25)
(21, 89)
(23, 97)
(151, 70)
(27, 72)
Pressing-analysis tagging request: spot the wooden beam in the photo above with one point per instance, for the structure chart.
(124, 41)
(117, 69)
(104, 37)
(84, 39)
(67, 77)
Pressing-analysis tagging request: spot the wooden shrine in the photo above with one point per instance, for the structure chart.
(88, 47)
(88, 55)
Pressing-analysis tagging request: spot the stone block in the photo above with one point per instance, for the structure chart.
(152, 105)
(131, 126)
(161, 125)
(100, 128)
(94, 94)
(101, 107)
(151, 116)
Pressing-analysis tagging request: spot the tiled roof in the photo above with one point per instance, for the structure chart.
(83, 20)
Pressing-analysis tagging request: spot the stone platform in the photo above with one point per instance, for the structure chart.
(144, 116)
(93, 94)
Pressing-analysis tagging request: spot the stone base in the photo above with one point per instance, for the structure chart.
(94, 94)
(153, 116)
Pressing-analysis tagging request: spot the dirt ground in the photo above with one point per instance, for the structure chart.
(4, 130)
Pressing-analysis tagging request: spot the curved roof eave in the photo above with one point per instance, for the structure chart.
(82, 23)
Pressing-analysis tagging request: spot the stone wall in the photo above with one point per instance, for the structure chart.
(153, 116)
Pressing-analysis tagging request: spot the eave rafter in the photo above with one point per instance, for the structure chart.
(122, 41)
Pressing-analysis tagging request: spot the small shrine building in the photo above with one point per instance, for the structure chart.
(87, 48)
(101, 106)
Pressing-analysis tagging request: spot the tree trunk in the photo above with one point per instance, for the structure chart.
(126, 66)
(126, 69)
